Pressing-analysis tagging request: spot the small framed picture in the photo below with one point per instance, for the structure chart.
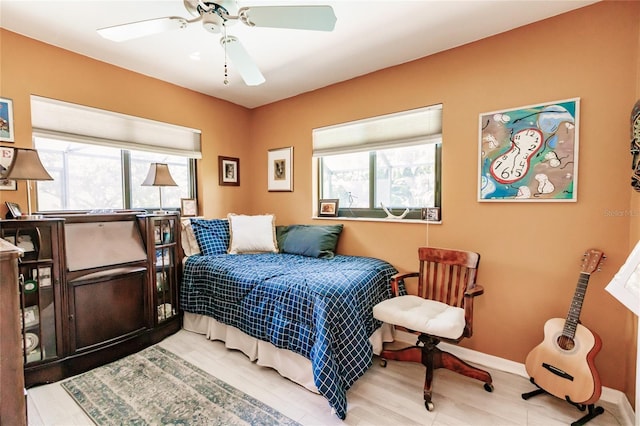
(6, 120)
(431, 214)
(14, 209)
(228, 171)
(6, 155)
(44, 276)
(188, 207)
(328, 207)
(280, 169)
(31, 316)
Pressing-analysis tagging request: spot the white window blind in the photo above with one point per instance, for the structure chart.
(79, 123)
(407, 128)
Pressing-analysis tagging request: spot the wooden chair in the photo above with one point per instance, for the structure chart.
(442, 310)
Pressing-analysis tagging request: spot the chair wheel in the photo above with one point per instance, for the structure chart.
(488, 387)
(383, 363)
(428, 405)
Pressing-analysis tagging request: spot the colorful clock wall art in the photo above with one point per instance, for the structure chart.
(530, 153)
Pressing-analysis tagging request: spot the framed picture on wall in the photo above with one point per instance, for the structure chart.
(280, 169)
(6, 120)
(530, 153)
(228, 171)
(6, 155)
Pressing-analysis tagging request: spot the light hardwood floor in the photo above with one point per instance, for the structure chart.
(383, 396)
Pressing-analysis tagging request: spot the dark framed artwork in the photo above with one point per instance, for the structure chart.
(328, 207)
(228, 171)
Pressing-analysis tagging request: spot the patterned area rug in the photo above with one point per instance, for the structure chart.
(156, 387)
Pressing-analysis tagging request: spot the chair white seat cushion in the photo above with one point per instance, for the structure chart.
(422, 315)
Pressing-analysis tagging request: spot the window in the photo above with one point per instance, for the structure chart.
(391, 161)
(99, 158)
(181, 170)
(90, 177)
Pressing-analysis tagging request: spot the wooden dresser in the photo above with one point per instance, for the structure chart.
(94, 288)
(12, 401)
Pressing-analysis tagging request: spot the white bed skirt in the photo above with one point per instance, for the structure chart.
(288, 364)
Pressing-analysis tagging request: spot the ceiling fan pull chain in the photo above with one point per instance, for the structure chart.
(226, 72)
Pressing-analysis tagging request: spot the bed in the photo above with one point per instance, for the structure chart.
(283, 297)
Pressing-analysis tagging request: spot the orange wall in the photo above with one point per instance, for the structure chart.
(30, 67)
(531, 253)
(631, 325)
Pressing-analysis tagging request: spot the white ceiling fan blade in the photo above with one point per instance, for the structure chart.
(142, 28)
(248, 69)
(319, 18)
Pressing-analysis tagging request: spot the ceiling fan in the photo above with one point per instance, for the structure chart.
(217, 16)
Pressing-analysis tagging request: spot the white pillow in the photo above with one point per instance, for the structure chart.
(189, 243)
(252, 234)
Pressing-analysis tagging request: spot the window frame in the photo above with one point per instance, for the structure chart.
(374, 212)
(127, 195)
(396, 130)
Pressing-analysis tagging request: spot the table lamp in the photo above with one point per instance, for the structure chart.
(26, 165)
(159, 176)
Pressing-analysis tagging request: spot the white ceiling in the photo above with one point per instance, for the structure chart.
(369, 35)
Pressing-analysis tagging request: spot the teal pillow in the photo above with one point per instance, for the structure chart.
(309, 240)
(281, 232)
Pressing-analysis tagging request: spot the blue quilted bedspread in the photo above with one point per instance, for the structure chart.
(318, 308)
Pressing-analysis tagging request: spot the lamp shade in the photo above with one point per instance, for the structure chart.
(26, 165)
(159, 176)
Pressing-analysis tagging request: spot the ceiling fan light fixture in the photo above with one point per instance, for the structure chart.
(212, 22)
(224, 8)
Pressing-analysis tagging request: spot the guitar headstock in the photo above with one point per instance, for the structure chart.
(592, 260)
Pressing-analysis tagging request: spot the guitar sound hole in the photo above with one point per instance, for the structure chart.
(566, 343)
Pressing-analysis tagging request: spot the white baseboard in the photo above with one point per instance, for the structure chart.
(608, 394)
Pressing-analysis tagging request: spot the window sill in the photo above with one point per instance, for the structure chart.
(376, 219)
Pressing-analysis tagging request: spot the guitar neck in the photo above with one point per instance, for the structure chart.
(573, 317)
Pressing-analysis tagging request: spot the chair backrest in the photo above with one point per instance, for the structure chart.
(445, 274)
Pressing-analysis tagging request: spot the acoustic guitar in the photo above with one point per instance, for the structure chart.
(563, 364)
